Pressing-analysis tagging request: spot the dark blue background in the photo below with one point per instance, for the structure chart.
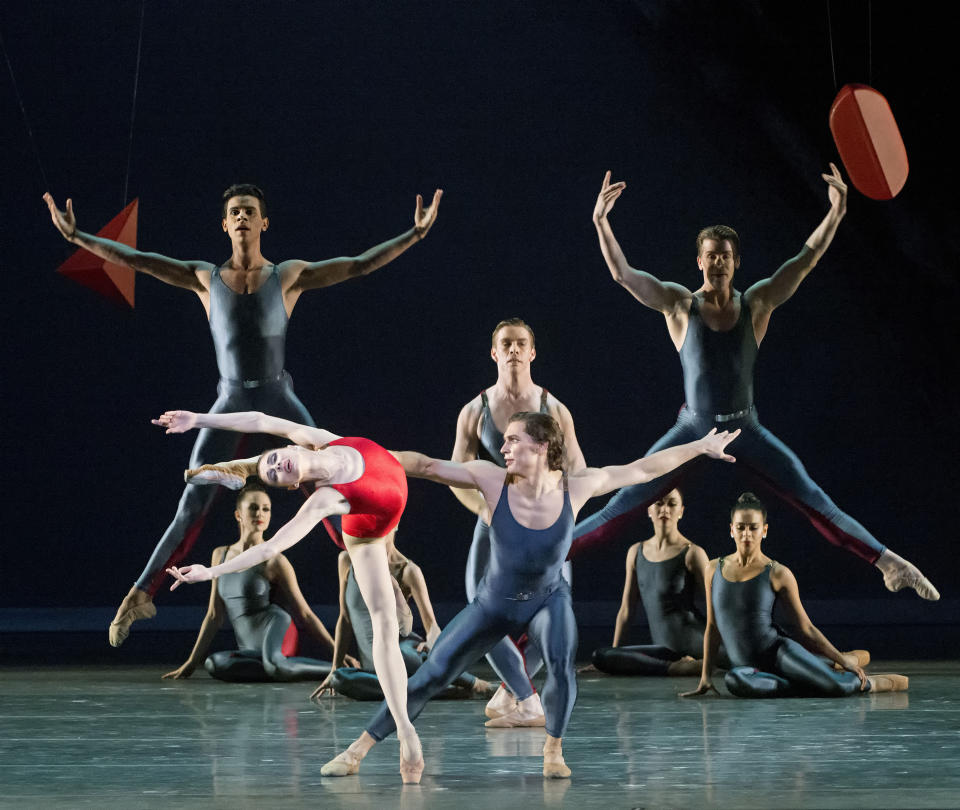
(343, 112)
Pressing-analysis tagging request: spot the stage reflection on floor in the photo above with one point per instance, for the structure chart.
(120, 737)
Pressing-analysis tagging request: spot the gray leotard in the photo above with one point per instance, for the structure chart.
(360, 621)
(249, 331)
(667, 588)
(491, 439)
(246, 595)
(718, 366)
(744, 616)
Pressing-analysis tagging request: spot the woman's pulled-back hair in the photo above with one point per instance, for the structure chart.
(749, 501)
(543, 429)
(254, 484)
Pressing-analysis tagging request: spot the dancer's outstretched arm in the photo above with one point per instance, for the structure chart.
(170, 271)
(663, 296)
(323, 503)
(297, 276)
(247, 422)
(595, 481)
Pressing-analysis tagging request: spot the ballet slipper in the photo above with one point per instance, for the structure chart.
(858, 658)
(410, 772)
(528, 713)
(343, 764)
(120, 627)
(888, 682)
(899, 574)
(502, 702)
(553, 765)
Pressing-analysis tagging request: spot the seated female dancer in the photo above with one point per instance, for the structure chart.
(741, 591)
(667, 573)
(354, 477)
(357, 680)
(258, 622)
(530, 508)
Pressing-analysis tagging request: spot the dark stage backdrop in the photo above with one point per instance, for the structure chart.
(712, 112)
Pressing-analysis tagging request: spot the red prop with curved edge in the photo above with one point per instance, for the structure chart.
(869, 141)
(291, 642)
(112, 281)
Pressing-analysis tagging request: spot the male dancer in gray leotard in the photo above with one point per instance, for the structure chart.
(248, 301)
(717, 331)
(478, 436)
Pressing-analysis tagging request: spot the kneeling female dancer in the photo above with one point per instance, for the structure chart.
(357, 679)
(259, 623)
(530, 508)
(355, 478)
(741, 592)
(667, 573)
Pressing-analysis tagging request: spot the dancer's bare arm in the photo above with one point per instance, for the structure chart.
(297, 276)
(673, 300)
(465, 448)
(323, 503)
(711, 640)
(481, 475)
(573, 460)
(769, 293)
(280, 572)
(631, 592)
(785, 585)
(414, 580)
(192, 276)
(212, 622)
(696, 562)
(595, 481)
(246, 422)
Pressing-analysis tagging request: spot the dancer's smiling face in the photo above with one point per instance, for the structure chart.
(253, 512)
(748, 529)
(717, 261)
(668, 510)
(243, 219)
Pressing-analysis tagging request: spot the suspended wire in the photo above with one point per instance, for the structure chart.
(133, 106)
(23, 112)
(833, 64)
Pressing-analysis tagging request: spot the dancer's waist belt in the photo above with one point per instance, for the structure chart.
(254, 383)
(721, 417)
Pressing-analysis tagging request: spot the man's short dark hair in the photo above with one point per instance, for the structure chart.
(719, 233)
(241, 190)
(543, 429)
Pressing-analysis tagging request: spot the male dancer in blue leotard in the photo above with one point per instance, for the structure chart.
(513, 350)
(530, 506)
(248, 301)
(717, 331)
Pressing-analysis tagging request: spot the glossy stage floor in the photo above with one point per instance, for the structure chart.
(119, 737)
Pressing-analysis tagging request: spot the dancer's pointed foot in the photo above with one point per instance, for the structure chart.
(136, 605)
(348, 762)
(888, 682)
(899, 574)
(411, 759)
(528, 713)
(553, 765)
(503, 702)
(854, 658)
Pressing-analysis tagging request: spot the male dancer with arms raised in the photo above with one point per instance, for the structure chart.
(513, 350)
(717, 331)
(248, 300)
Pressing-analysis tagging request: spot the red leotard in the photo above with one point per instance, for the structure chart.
(378, 496)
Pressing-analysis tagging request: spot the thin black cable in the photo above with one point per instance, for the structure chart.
(23, 112)
(833, 65)
(133, 106)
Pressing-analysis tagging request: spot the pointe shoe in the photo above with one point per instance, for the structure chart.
(410, 772)
(528, 713)
(888, 683)
(500, 704)
(120, 627)
(554, 767)
(902, 574)
(344, 764)
(860, 657)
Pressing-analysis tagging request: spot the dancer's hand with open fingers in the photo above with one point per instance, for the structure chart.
(714, 444)
(702, 688)
(189, 574)
(836, 188)
(607, 197)
(63, 221)
(423, 218)
(176, 421)
(325, 688)
(183, 671)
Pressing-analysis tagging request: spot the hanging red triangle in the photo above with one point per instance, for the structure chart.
(113, 281)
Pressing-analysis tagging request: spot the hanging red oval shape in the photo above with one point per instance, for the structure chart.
(869, 141)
